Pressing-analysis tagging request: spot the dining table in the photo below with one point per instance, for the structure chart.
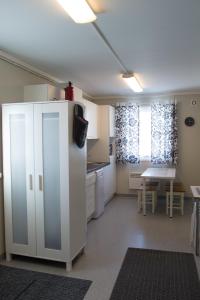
(168, 174)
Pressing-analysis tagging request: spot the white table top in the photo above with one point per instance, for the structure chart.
(162, 173)
(195, 191)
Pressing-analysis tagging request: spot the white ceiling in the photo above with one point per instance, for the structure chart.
(159, 40)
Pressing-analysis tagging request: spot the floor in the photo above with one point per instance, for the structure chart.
(109, 237)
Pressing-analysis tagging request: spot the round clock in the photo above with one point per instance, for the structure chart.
(189, 121)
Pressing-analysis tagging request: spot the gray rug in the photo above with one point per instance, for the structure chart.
(157, 275)
(19, 284)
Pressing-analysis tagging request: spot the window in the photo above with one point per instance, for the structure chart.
(146, 133)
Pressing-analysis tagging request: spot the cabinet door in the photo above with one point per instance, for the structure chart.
(110, 180)
(90, 194)
(107, 182)
(19, 200)
(92, 118)
(51, 179)
(90, 200)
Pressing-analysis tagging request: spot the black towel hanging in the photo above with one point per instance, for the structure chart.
(80, 126)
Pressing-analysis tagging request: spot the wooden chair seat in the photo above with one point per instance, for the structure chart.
(177, 187)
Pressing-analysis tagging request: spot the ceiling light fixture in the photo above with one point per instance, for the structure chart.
(127, 76)
(132, 82)
(78, 10)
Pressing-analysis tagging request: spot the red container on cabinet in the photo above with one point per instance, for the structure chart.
(69, 92)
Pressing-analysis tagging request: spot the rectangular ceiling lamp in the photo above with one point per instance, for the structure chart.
(78, 10)
(132, 82)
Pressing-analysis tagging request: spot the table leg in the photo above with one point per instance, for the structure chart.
(197, 227)
(144, 197)
(171, 199)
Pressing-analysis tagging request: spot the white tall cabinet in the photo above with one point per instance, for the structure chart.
(44, 182)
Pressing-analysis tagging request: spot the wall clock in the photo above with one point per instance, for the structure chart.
(189, 121)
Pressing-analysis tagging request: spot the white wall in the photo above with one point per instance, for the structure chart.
(188, 169)
(12, 80)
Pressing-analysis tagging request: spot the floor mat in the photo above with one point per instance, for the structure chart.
(19, 284)
(157, 275)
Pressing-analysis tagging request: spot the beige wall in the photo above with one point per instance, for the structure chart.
(12, 80)
(188, 170)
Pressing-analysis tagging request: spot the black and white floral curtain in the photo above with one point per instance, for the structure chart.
(164, 134)
(127, 133)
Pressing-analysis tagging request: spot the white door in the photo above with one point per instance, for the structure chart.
(19, 200)
(51, 179)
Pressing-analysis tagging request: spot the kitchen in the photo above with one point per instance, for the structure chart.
(75, 214)
(98, 153)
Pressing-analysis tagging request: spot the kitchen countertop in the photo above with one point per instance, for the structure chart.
(94, 166)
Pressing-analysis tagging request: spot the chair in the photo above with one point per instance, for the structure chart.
(136, 183)
(178, 197)
(151, 195)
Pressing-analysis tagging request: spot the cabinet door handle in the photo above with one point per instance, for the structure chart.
(40, 183)
(30, 182)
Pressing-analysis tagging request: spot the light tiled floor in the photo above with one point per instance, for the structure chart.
(108, 239)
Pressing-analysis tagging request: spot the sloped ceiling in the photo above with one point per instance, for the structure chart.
(159, 40)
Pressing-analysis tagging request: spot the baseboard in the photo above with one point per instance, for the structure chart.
(186, 197)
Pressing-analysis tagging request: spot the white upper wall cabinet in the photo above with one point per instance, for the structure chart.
(106, 122)
(91, 115)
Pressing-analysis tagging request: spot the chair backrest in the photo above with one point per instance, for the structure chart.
(135, 181)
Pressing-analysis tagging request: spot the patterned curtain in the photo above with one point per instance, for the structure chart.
(164, 134)
(127, 133)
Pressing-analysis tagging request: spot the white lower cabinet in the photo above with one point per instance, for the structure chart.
(90, 194)
(109, 187)
(44, 203)
(110, 180)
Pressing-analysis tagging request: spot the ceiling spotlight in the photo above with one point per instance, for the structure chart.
(78, 10)
(132, 82)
